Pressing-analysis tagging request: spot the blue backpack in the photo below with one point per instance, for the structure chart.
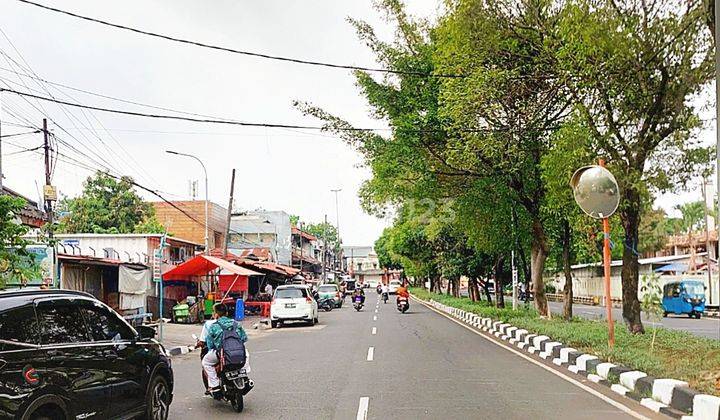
(232, 349)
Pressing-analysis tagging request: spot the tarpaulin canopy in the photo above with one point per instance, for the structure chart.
(680, 267)
(202, 265)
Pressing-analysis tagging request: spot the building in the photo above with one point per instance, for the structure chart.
(262, 229)
(306, 253)
(360, 258)
(588, 279)
(180, 225)
(32, 214)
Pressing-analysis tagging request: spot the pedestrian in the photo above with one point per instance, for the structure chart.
(268, 289)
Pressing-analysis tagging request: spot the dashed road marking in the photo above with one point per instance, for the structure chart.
(374, 330)
(363, 408)
(371, 354)
(375, 318)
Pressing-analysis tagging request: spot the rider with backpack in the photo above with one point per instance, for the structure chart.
(225, 340)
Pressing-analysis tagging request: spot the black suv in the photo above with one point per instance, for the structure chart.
(65, 355)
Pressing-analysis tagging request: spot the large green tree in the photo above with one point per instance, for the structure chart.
(634, 68)
(107, 205)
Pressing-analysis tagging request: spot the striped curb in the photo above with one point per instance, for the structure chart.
(666, 396)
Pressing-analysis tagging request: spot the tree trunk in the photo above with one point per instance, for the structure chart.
(538, 255)
(567, 290)
(630, 217)
(449, 287)
(474, 291)
(499, 282)
(486, 288)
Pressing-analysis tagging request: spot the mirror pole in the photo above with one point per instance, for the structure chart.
(606, 262)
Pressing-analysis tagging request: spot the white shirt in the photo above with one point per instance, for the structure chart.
(268, 289)
(385, 288)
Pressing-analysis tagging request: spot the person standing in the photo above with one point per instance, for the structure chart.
(268, 289)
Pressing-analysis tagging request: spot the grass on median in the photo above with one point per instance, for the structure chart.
(677, 354)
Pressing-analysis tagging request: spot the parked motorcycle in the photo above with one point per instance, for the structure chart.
(402, 304)
(357, 303)
(385, 297)
(234, 381)
(326, 305)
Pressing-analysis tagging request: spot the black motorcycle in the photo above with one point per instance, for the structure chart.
(402, 304)
(234, 383)
(385, 297)
(326, 305)
(358, 303)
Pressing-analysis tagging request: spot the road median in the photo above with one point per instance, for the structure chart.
(631, 368)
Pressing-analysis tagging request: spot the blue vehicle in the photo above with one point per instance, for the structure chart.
(684, 297)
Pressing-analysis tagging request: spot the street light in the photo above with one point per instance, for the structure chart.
(597, 193)
(207, 239)
(337, 217)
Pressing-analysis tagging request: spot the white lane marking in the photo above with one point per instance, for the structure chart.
(598, 394)
(265, 351)
(375, 318)
(363, 408)
(371, 354)
(376, 311)
(374, 330)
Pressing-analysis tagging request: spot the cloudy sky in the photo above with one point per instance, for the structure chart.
(293, 170)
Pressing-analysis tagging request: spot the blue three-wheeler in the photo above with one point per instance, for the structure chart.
(684, 297)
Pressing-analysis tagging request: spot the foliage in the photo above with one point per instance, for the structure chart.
(651, 302)
(16, 262)
(294, 220)
(678, 354)
(325, 231)
(107, 205)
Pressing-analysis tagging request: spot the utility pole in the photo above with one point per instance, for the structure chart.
(229, 214)
(301, 248)
(2, 189)
(324, 251)
(337, 212)
(49, 195)
(708, 265)
(717, 132)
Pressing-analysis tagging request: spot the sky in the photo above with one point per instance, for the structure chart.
(277, 169)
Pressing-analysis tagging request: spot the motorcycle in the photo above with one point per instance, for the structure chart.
(385, 297)
(234, 381)
(357, 303)
(402, 304)
(378, 289)
(326, 305)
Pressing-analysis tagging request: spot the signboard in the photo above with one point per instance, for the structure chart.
(50, 193)
(43, 269)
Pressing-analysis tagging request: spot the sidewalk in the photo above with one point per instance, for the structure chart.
(178, 339)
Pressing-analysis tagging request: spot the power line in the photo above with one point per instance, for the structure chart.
(19, 134)
(241, 52)
(175, 117)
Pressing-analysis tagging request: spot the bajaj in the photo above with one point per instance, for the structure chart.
(684, 297)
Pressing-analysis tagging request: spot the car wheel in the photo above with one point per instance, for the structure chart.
(157, 400)
(698, 315)
(273, 324)
(316, 320)
(665, 314)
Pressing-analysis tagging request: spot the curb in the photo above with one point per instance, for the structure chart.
(666, 396)
(178, 350)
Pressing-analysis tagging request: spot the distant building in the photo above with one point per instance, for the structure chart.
(305, 252)
(178, 224)
(262, 229)
(360, 258)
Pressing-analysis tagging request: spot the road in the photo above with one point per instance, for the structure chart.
(422, 365)
(704, 327)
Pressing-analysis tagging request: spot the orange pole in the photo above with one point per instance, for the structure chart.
(606, 263)
(608, 300)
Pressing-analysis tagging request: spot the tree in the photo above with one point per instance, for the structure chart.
(326, 232)
(633, 67)
(107, 205)
(16, 263)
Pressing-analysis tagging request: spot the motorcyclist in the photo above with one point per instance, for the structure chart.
(359, 292)
(402, 291)
(385, 292)
(214, 343)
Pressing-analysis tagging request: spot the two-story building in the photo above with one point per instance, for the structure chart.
(186, 219)
(262, 229)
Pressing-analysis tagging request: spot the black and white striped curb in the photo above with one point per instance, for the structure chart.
(666, 396)
(178, 350)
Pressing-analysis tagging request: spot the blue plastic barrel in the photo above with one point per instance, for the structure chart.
(239, 310)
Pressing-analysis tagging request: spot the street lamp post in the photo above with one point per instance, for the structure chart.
(207, 238)
(337, 217)
(597, 193)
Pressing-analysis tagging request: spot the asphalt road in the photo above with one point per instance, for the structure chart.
(422, 365)
(704, 327)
